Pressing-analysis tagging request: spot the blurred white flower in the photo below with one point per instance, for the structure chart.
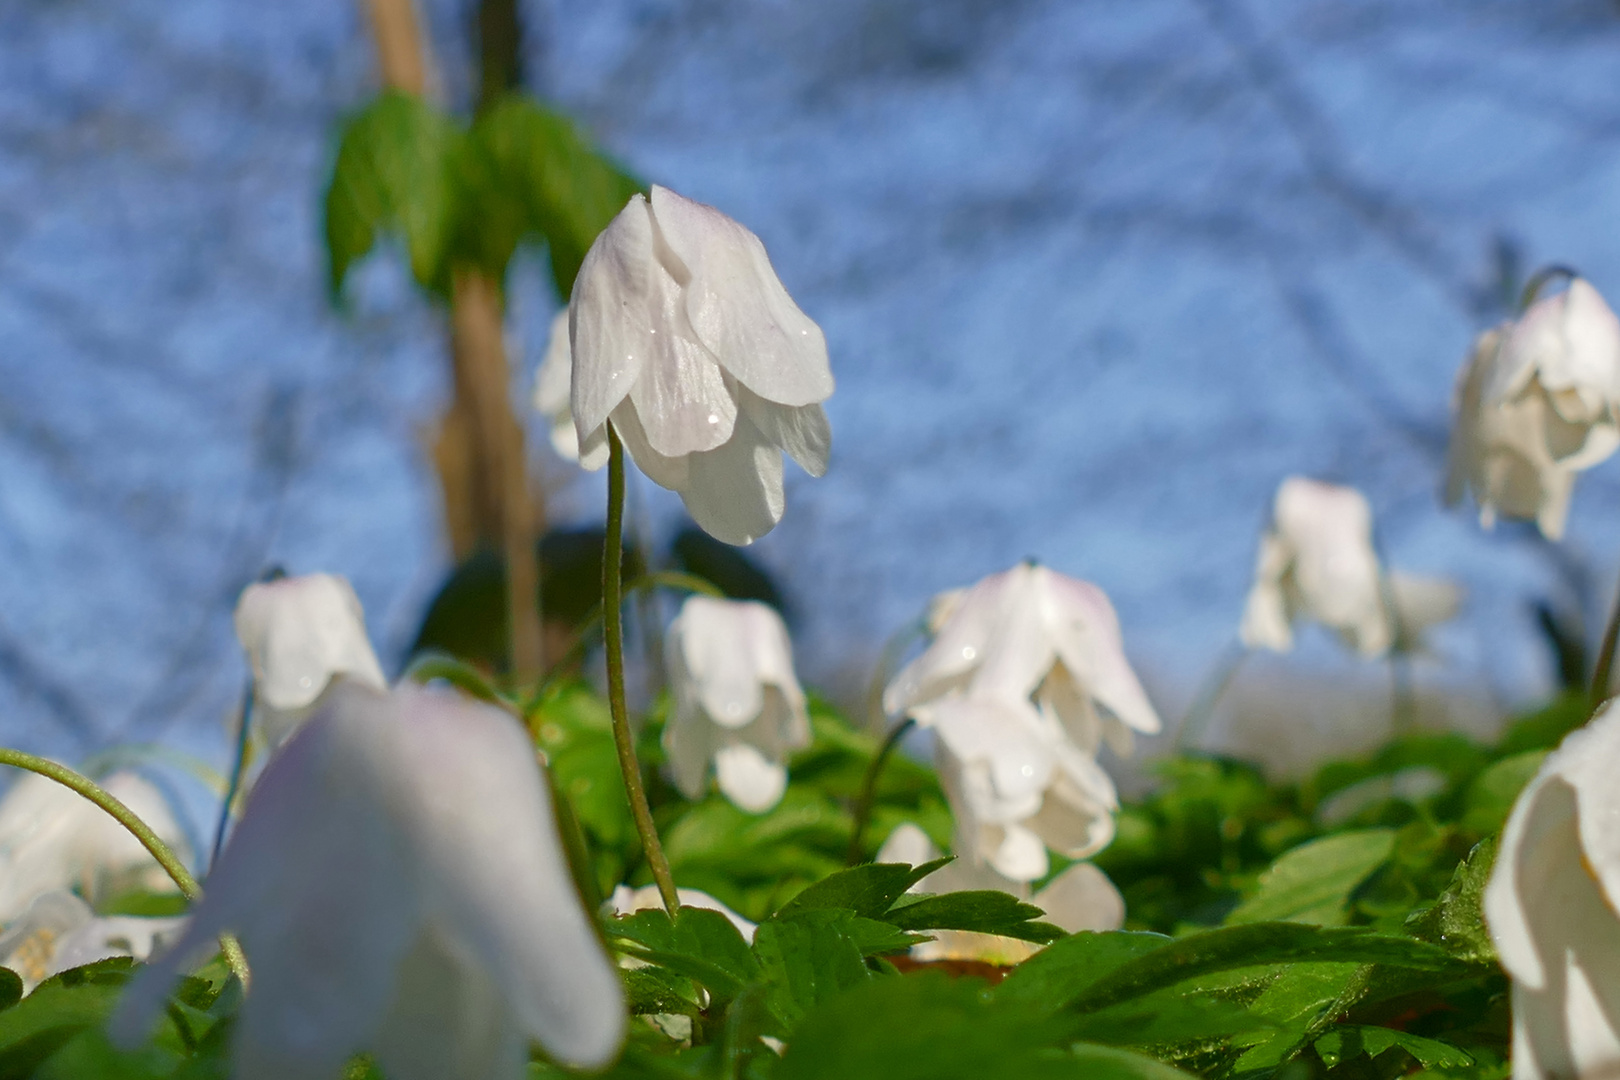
(628, 901)
(737, 701)
(1031, 634)
(551, 390)
(399, 887)
(59, 931)
(1317, 560)
(1535, 404)
(298, 633)
(52, 838)
(1081, 897)
(683, 336)
(1553, 908)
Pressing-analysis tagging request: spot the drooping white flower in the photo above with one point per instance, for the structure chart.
(737, 702)
(53, 839)
(299, 633)
(684, 338)
(1032, 634)
(398, 885)
(551, 390)
(1317, 560)
(1553, 908)
(59, 931)
(1535, 404)
(1079, 898)
(628, 901)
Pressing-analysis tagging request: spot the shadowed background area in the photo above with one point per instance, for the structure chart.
(1094, 278)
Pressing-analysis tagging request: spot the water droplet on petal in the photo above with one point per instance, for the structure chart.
(969, 652)
(713, 419)
(306, 682)
(1028, 770)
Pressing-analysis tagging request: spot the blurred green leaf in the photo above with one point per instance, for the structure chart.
(1313, 882)
(1347, 1041)
(1061, 971)
(1489, 799)
(986, 911)
(869, 890)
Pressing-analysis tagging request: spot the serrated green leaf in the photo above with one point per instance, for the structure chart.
(1313, 882)
(987, 911)
(1457, 919)
(806, 958)
(869, 890)
(1169, 1017)
(395, 170)
(701, 944)
(1299, 1003)
(60, 1008)
(1253, 945)
(1346, 1041)
(1061, 971)
(655, 990)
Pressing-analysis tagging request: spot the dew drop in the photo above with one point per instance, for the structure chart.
(969, 652)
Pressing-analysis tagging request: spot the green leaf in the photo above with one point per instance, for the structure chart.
(395, 170)
(1301, 1000)
(1346, 1041)
(1061, 971)
(1110, 1063)
(1253, 945)
(807, 958)
(1546, 728)
(1313, 882)
(868, 890)
(1169, 1017)
(11, 988)
(701, 944)
(1490, 797)
(987, 911)
(1457, 920)
(59, 1008)
(655, 990)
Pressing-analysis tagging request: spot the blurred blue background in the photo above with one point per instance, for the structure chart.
(1094, 276)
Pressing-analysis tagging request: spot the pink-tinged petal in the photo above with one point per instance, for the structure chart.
(737, 306)
(748, 778)
(612, 316)
(1082, 898)
(957, 649)
(1085, 630)
(801, 431)
(735, 493)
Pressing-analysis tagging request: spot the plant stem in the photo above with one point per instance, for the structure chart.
(126, 817)
(1601, 675)
(863, 805)
(237, 768)
(613, 640)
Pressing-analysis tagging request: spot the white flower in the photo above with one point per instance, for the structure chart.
(1553, 908)
(399, 887)
(53, 838)
(737, 700)
(59, 931)
(1317, 560)
(551, 390)
(683, 337)
(298, 633)
(1079, 898)
(1535, 404)
(1032, 633)
(628, 901)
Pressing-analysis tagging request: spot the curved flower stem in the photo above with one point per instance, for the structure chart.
(237, 768)
(1203, 706)
(1602, 674)
(863, 805)
(613, 639)
(126, 817)
(1540, 280)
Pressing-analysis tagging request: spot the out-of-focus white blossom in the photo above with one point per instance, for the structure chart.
(683, 337)
(1535, 404)
(1079, 898)
(1553, 908)
(399, 887)
(52, 839)
(299, 633)
(1031, 634)
(737, 704)
(551, 390)
(1317, 561)
(59, 931)
(628, 901)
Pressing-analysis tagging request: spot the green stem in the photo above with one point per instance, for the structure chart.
(237, 768)
(1602, 674)
(613, 638)
(1540, 280)
(863, 805)
(126, 817)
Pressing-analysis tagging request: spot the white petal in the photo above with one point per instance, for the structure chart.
(735, 493)
(611, 316)
(1085, 631)
(1266, 619)
(551, 390)
(1336, 572)
(447, 1022)
(117, 935)
(717, 649)
(907, 844)
(1013, 763)
(1422, 602)
(958, 647)
(672, 473)
(801, 431)
(1020, 856)
(1082, 898)
(738, 307)
(1020, 650)
(749, 779)
(298, 632)
(682, 399)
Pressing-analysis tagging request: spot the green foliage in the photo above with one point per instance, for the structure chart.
(461, 196)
